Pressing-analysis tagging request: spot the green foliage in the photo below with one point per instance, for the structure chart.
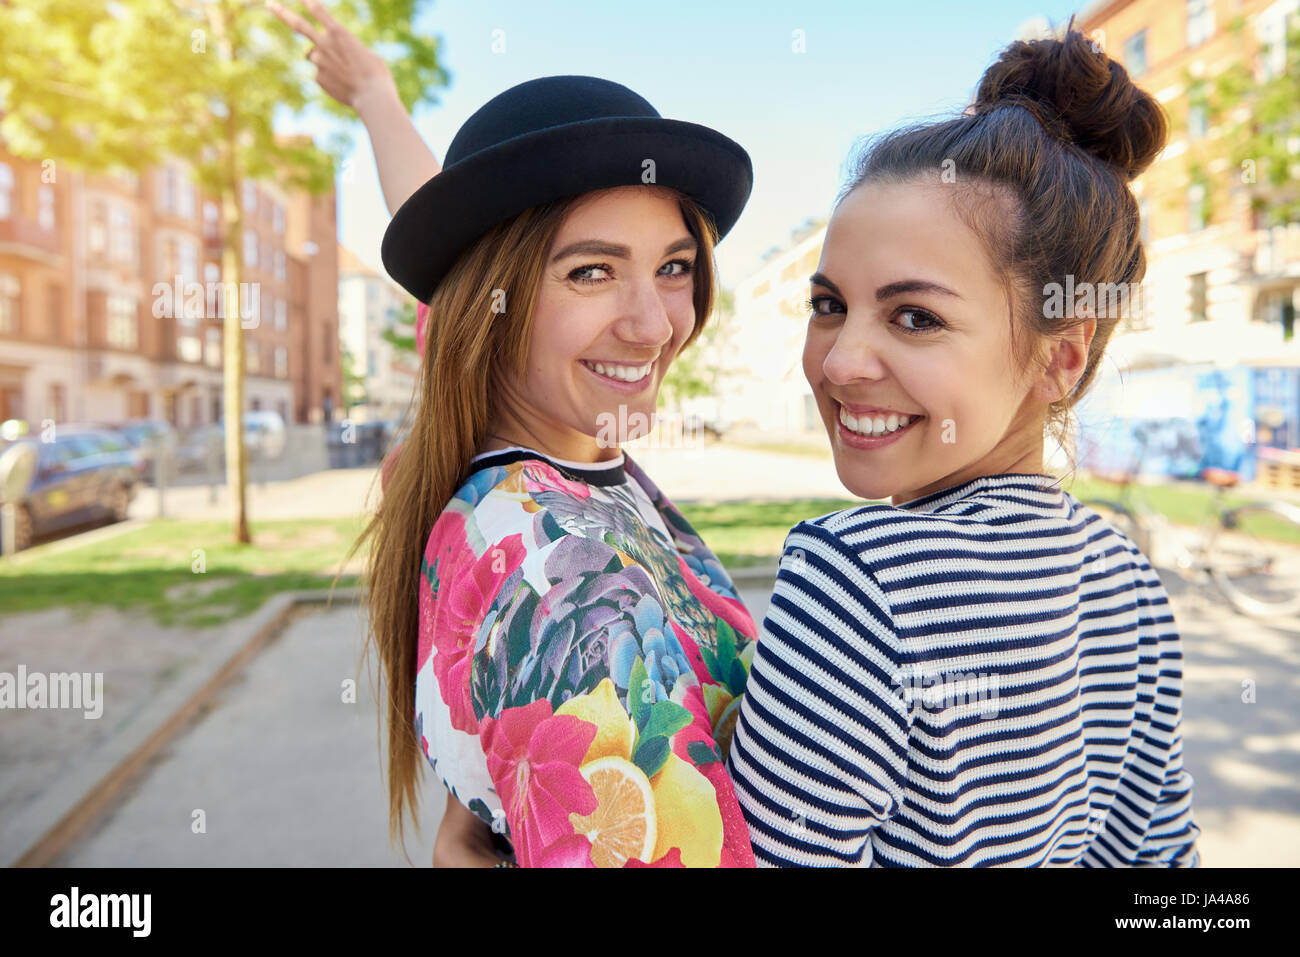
(1258, 143)
(697, 371)
(402, 333)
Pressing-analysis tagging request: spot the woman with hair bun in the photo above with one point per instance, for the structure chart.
(982, 672)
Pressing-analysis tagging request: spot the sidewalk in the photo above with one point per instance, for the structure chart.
(284, 771)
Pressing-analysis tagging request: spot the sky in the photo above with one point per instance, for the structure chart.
(867, 66)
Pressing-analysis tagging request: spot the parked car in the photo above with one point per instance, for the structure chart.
(145, 435)
(264, 435)
(81, 476)
(199, 449)
(204, 447)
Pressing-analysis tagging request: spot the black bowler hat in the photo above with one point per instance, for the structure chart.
(548, 139)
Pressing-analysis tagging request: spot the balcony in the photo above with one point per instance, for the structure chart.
(19, 237)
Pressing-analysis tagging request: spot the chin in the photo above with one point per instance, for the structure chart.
(866, 486)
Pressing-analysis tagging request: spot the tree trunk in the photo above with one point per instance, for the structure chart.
(233, 360)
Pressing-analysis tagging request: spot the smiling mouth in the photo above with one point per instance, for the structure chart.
(620, 372)
(871, 425)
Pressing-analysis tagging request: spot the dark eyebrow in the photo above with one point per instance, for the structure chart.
(597, 247)
(892, 289)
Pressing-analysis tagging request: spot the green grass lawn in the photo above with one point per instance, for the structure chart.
(153, 569)
(744, 534)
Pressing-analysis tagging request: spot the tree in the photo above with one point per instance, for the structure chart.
(1256, 100)
(354, 382)
(401, 334)
(697, 369)
(128, 83)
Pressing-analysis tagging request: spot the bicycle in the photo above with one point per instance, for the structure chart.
(1256, 573)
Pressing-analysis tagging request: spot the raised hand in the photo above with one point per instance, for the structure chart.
(346, 68)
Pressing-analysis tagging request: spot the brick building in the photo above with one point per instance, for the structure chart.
(1222, 285)
(110, 302)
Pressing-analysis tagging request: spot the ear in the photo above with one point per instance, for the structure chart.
(1068, 359)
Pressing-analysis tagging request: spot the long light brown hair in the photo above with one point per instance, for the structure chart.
(469, 347)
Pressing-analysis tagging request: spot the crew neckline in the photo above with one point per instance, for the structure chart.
(1038, 481)
(607, 473)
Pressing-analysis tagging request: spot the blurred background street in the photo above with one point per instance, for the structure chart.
(163, 280)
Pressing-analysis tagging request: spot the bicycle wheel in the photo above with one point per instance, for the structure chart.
(1120, 519)
(1254, 557)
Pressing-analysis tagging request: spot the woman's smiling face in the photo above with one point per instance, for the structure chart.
(910, 323)
(615, 305)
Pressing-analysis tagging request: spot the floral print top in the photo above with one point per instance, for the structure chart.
(582, 656)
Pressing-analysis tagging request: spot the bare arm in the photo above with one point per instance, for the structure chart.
(463, 840)
(357, 77)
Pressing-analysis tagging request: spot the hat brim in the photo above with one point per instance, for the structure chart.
(448, 213)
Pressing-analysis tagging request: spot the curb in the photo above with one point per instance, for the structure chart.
(40, 834)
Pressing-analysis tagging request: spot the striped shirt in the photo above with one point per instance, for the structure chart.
(986, 675)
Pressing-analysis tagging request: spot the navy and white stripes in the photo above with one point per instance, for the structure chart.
(988, 675)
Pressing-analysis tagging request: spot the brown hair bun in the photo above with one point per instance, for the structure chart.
(1081, 95)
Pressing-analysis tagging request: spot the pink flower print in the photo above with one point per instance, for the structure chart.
(533, 757)
(467, 587)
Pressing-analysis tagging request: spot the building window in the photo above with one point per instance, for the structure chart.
(211, 220)
(45, 206)
(123, 328)
(189, 348)
(56, 406)
(250, 249)
(166, 190)
(1271, 28)
(6, 191)
(188, 260)
(279, 265)
(250, 197)
(1197, 312)
(281, 315)
(252, 357)
(122, 234)
(1135, 53)
(1195, 207)
(97, 227)
(1197, 111)
(167, 257)
(185, 196)
(10, 304)
(1200, 22)
(281, 362)
(213, 296)
(212, 353)
(277, 220)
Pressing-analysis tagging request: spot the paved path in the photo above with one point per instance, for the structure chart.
(286, 773)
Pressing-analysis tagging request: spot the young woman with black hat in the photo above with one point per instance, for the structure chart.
(557, 641)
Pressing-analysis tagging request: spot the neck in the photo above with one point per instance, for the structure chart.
(1024, 458)
(558, 442)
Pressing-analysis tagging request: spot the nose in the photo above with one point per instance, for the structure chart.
(644, 319)
(856, 354)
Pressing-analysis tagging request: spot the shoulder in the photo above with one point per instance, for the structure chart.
(874, 540)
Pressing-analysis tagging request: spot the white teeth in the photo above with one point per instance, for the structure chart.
(623, 373)
(873, 425)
